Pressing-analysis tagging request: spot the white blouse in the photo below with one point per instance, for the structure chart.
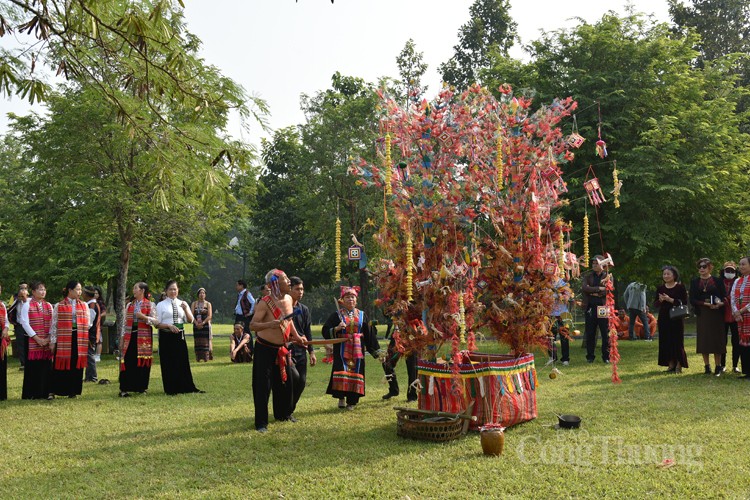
(164, 313)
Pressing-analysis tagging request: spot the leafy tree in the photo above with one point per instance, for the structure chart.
(411, 69)
(489, 29)
(84, 199)
(671, 127)
(279, 228)
(135, 54)
(341, 125)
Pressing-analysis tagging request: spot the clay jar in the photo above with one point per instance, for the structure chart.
(492, 439)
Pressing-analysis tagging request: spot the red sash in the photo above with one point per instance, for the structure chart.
(40, 319)
(4, 341)
(144, 337)
(741, 299)
(64, 351)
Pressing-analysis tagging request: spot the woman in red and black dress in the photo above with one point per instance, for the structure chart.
(671, 331)
(740, 296)
(136, 342)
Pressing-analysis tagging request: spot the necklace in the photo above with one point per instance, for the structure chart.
(704, 283)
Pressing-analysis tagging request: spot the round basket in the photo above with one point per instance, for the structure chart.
(417, 427)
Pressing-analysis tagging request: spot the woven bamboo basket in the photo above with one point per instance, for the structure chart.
(419, 424)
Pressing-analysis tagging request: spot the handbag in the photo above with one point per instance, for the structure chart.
(678, 312)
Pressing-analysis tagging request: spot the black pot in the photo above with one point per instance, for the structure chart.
(568, 421)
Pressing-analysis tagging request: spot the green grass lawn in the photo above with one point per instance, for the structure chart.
(200, 445)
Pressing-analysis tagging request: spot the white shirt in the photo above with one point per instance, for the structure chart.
(23, 318)
(53, 326)
(92, 312)
(164, 312)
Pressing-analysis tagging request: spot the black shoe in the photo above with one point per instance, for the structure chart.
(707, 370)
(411, 399)
(292, 419)
(124, 394)
(718, 371)
(390, 395)
(589, 360)
(670, 370)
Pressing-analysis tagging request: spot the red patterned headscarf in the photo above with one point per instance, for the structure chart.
(346, 290)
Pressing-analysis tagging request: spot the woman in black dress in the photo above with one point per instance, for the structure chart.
(136, 342)
(172, 314)
(707, 296)
(671, 331)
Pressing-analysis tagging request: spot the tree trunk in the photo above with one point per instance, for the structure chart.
(126, 245)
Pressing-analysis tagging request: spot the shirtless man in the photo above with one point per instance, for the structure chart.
(275, 329)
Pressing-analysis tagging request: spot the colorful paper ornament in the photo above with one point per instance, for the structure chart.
(354, 253)
(561, 249)
(499, 160)
(601, 148)
(594, 191)
(575, 140)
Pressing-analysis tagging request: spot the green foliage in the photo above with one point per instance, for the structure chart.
(411, 69)
(671, 127)
(204, 445)
(341, 126)
(490, 29)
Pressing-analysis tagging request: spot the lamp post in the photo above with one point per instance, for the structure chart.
(234, 245)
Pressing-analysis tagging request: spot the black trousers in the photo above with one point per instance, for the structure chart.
(20, 344)
(732, 327)
(592, 322)
(389, 367)
(267, 381)
(245, 321)
(298, 375)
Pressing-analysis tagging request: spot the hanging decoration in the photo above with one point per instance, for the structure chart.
(462, 318)
(601, 146)
(594, 191)
(388, 165)
(409, 268)
(561, 249)
(575, 140)
(618, 186)
(585, 262)
(499, 160)
(338, 250)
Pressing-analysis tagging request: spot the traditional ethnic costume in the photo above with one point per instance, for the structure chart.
(243, 355)
(271, 372)
(671, 331)
(740, 298)
(348, 372)
(173, 351)
(137, 353)
(709, 322)
(70, 331)
(202, 336)
(3, 353)
(36, 318)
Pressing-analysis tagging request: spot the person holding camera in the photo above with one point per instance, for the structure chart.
(707, 296)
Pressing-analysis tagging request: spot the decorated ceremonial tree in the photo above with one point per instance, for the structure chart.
(469, 238)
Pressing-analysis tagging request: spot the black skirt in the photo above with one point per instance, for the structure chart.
(134, 378)
(68, 382)
(175, 363)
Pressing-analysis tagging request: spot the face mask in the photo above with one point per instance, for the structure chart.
(729, 275)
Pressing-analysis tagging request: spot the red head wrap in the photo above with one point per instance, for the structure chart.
(346, 290)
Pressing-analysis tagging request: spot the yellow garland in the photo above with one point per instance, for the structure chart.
(388, 172)
(499, 159)
(409, 271)
(617, 189)
(561, 243)
(462, 318)
(585, 262)
(338, 249)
